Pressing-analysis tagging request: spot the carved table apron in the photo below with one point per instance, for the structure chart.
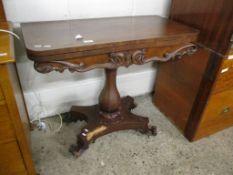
(112, 113)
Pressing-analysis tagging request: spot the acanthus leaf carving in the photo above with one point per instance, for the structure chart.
(60, 66)
(117, 59)
(128, 58)
(137, 57)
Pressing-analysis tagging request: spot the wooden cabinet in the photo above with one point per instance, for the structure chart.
(3, 111)
(1, 95)
(218, 113)
(2, 15)
(196, 93)
(15, 154)
(6, 132)
(224, 79)
(13, 162)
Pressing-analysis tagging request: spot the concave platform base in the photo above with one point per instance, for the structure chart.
(97, 125)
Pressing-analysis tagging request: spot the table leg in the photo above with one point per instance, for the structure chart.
(111, 114)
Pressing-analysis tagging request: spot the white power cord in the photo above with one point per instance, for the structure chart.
(61, 123)
(42, 125)
(10, 32)
(13, 34)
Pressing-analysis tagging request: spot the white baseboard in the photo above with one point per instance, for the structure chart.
(50, 101)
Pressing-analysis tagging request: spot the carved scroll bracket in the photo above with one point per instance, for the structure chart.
(60, 66)
(125, 58)
(138, 57)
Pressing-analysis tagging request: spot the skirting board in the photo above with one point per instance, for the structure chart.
(51, 101)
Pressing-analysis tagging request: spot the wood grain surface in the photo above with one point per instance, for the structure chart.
(6, 42)
(15, 155)
(177, 84)
(2, 14)
(14, 122)
(1, 94)
(217, 115)
(214, 19)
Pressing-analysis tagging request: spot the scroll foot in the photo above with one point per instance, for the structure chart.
(150, 131)
(80, 147)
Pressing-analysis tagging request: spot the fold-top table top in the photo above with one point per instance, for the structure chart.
(46, 39)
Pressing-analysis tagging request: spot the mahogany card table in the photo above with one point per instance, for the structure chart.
(106, 43)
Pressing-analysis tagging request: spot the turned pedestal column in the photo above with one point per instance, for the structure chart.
(109, 99)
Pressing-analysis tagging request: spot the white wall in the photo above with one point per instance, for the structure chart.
(54, 93)
(41, 10)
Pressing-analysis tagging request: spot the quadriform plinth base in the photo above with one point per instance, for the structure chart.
(98, 126)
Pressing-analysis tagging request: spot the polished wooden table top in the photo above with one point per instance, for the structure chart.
(108, 34)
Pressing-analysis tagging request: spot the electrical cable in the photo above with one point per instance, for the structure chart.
(10, 32)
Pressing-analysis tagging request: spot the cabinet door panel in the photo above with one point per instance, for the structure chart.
(6, 132)
(217, 115)
(10, 159)
(1, 94)
(4, 114)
